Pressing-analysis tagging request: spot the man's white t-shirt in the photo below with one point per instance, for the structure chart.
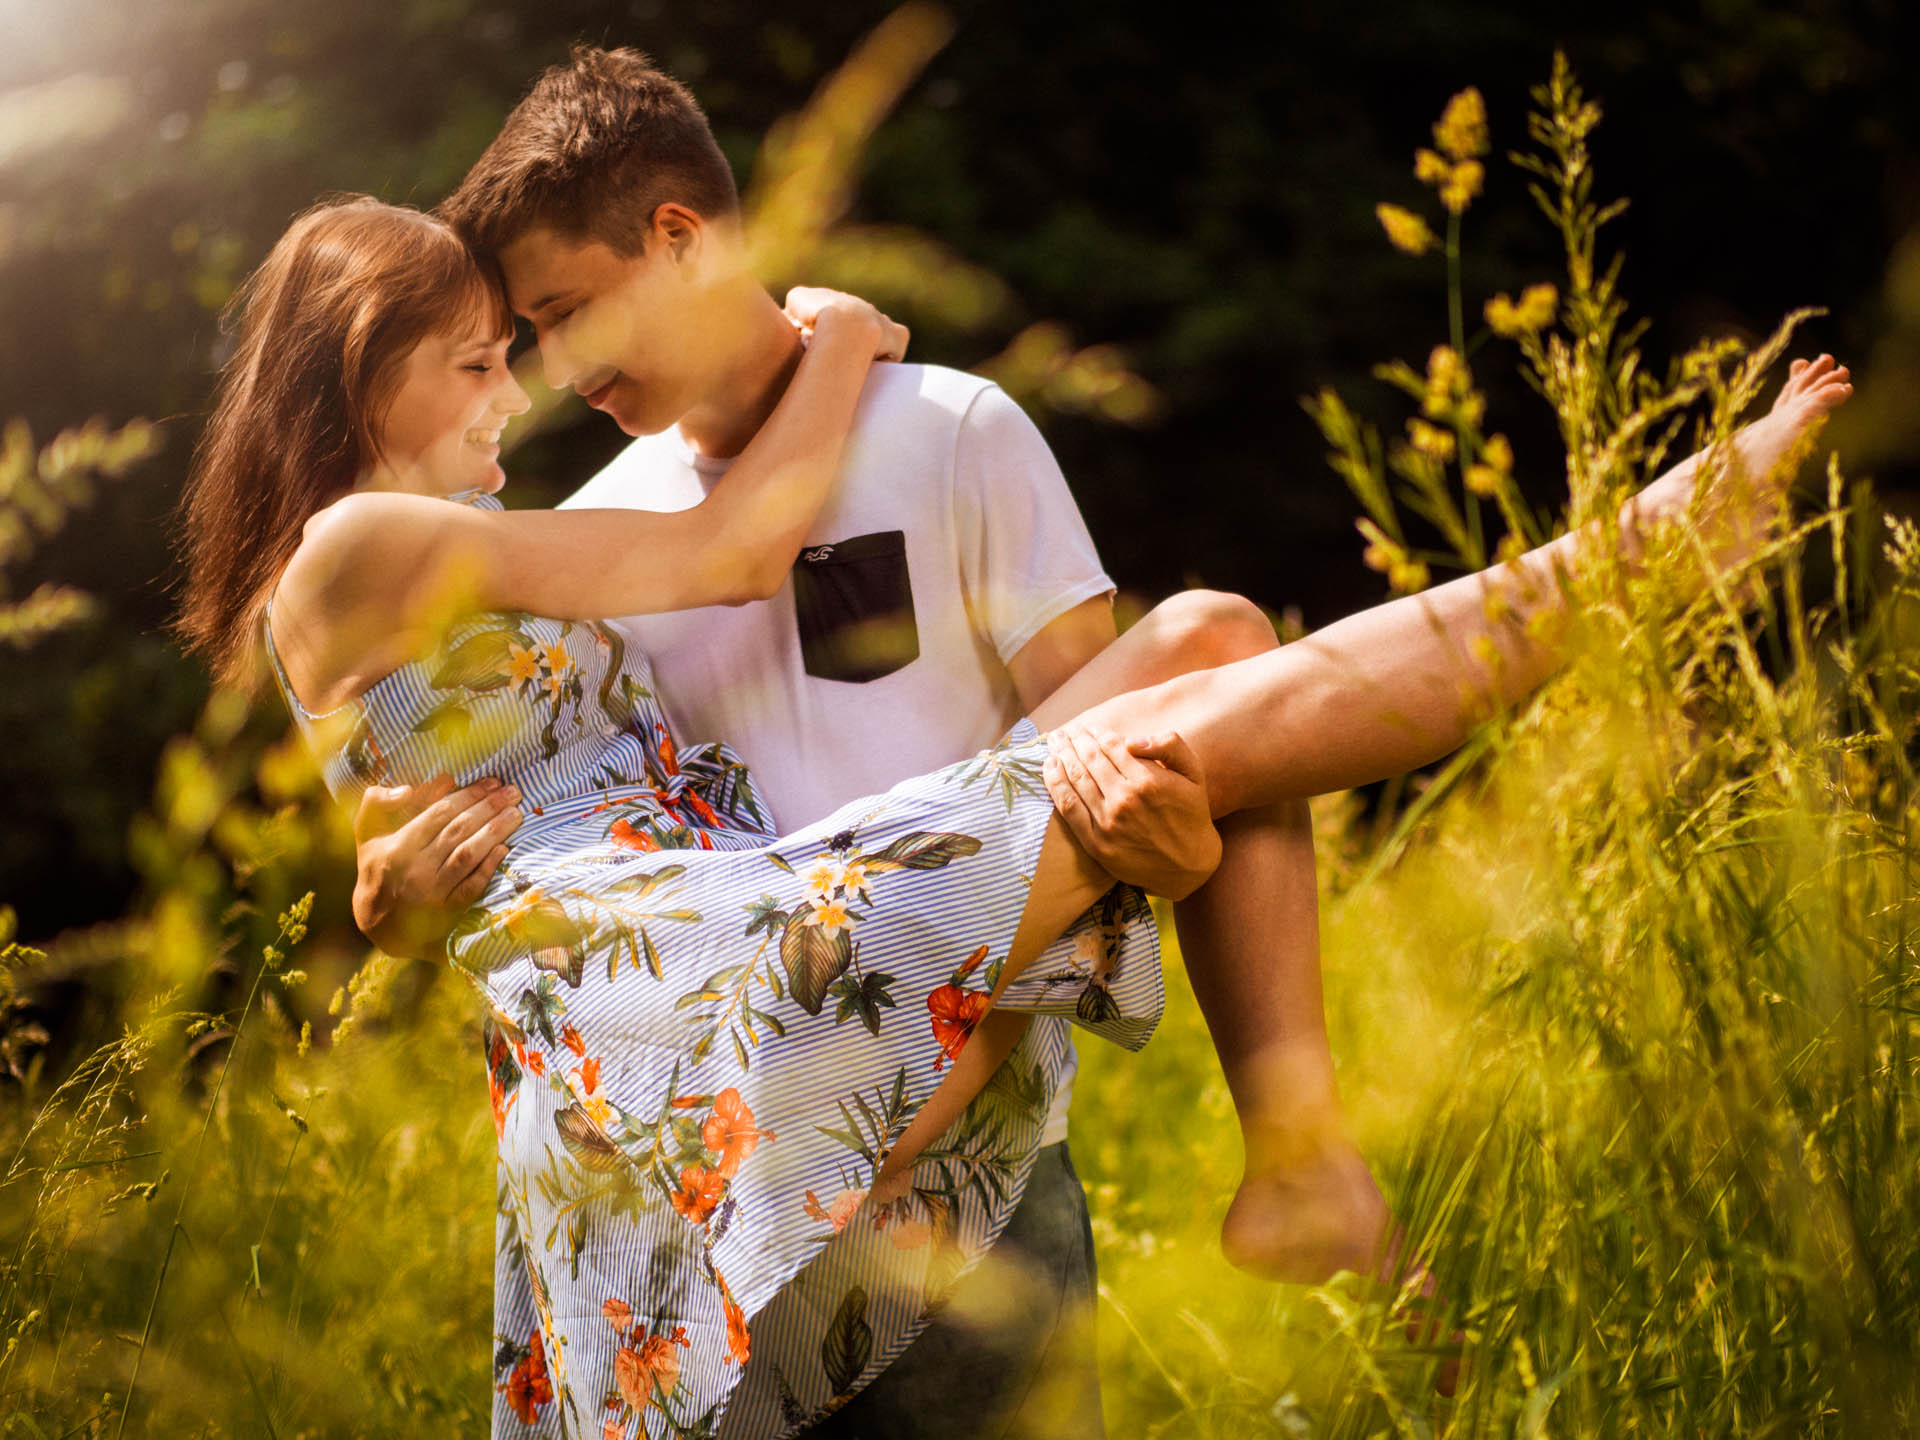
(949, 542)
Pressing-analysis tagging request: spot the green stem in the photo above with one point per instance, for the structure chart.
(186, 1191)
(1456, 322)
(1457, 337)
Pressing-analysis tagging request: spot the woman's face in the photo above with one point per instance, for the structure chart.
(441, 433)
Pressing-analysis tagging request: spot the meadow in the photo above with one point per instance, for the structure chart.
(1625, 996)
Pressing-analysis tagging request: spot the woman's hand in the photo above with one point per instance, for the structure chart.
(812, 308)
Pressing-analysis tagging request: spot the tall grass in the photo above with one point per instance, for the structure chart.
(1626, 1000)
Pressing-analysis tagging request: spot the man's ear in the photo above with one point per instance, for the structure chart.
(679, 234)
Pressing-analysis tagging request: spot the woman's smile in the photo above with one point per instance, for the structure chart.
(442, 429)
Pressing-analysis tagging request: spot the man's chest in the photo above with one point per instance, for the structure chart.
(864, 668)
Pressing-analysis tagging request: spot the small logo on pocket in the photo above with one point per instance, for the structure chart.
(817, 554)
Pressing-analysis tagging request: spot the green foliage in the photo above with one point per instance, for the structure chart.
(37, 494)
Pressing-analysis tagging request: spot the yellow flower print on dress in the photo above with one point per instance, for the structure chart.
(523, 664)
(830, 917)
(584, 1082)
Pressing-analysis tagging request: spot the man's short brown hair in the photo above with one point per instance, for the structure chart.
(596, 147)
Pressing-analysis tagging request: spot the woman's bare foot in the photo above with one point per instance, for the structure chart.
(1307, 1218)
(1748, 485)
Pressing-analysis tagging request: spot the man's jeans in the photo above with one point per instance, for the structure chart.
(1011, 1356)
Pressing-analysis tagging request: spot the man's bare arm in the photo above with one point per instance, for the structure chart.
(1061, 647)
(1150, 825)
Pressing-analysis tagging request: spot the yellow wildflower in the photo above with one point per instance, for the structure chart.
(1408, 576)
(1538, 304)
(1532, 313)
(1462, 185)
(1443, 380)
(1498, 453)
(1430, 168)
(1431, 440)
(1462, 128)
(1483, 480)
(1511, 548)
(1406, 230)
(1381, 553)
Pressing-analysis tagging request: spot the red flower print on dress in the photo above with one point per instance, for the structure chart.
(739, 1342)
(955, 1012)
(956, 1009)
(498, 1078)
(700, 1192)
(529, 1386)
(584, 1083)
(497, 1095)
(626, 837)
(839, 1212)
(646, 1373)
(619, 1314)
(730, 1130)
(571, 1038)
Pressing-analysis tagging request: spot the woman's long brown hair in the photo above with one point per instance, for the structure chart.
(325, 325)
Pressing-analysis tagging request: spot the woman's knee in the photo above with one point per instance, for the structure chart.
(1213, 627)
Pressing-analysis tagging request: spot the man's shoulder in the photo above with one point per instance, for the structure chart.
(924, 394)
(647, 470)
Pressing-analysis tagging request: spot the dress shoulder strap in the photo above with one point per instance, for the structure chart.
(300, 712)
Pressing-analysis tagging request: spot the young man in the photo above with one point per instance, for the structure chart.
(947, 588)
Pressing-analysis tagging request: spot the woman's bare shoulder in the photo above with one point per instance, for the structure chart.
(357, 548)
(350, 596)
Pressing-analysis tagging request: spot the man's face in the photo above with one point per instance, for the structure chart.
(623, 332)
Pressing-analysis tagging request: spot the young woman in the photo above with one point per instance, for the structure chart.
(710, 1046)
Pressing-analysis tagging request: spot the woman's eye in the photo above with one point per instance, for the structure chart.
(480, 367)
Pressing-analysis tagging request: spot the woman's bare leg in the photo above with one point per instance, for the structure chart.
(1377, 694)
(1307, 1206)
(1398, 686)
(1065, 884)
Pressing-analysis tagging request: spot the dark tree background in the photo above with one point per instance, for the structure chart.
(1189, 183)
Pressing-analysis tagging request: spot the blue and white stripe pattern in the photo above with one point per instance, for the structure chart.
(703, 1037)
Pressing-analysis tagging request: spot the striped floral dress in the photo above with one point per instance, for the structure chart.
(703, 1037)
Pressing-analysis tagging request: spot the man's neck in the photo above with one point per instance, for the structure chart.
(753, 376)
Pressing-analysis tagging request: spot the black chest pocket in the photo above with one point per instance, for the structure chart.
(854, 602)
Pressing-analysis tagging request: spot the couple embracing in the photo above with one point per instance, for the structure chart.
(783, 796)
